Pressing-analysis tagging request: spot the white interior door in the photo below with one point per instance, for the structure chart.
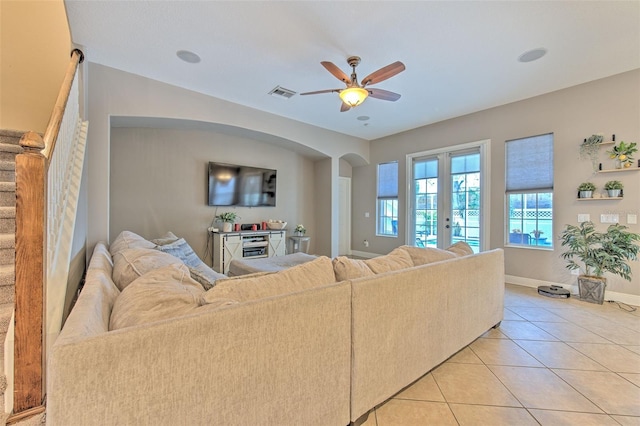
(344, 221)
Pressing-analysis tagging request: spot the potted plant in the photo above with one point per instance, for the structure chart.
(227, 219)
(585, 190)
(614, 188)
(600, 252)
(299, 230)
(623, 154)
(590, 149)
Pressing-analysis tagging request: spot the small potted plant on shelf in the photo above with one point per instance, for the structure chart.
(299, 230)
(614, 188)
(589, 148)
(585, 190)
(227, 219)
(623, 154)
(600, 252)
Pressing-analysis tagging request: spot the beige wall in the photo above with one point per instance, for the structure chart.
(35, 47)
(607, 106)
(158, 182)
(117, 93)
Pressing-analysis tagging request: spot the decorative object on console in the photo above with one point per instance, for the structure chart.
(614, 188)
(600, 252)
(589, 148)
(623, 154)
(227, 219)
(276, 224)
(585, 190)
(300, 230)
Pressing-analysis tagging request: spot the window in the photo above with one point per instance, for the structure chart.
(529, 197)
(387, 216)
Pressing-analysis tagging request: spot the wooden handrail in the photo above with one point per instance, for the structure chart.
(30, 264)
(53, 128)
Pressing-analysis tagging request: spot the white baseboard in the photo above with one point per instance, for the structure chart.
(364, 254)
(629, 299)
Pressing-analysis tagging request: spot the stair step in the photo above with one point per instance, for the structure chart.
(6, 310)
(11, 136)
(8, 151)
(7, 241)
(7, 187)
(7, 277)
(7, 212)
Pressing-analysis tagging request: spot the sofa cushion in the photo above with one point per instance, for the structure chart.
(397, 259)
(349, 269)
(129, 264)
(199, 270)
(167, 238)
(424, 255)
(163, 293)
(461, 248)
(308, 275)
(128, 239)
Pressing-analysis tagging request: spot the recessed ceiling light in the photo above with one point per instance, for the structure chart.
(187, 56)
(532, 55)
(363, 117)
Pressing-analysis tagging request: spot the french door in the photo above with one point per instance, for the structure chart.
(447, 200)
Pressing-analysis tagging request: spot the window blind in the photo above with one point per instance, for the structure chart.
(529, 163)
(388, 180)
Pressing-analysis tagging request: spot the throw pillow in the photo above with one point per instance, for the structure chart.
(129, 264)
(308, 275)
(128, 239)
(397, 259)
(166, 292)
(199, 270)
(424, 255)
(349, 269)
(167, 238)
(461, 248)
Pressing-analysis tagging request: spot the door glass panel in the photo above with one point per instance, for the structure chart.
(465, 200)
(425, 175)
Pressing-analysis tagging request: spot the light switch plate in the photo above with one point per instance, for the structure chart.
(609, 218)
(632, 219)
(584, 217)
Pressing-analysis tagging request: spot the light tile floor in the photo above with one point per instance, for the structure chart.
(551, 362)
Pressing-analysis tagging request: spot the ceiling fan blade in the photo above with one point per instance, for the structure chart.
(321, 91)
(344, 107)
(384, 73)
(337, 72)
(385, 95)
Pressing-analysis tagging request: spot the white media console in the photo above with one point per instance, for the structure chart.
(246, 245)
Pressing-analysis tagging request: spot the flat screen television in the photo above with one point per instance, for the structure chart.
(234, 185)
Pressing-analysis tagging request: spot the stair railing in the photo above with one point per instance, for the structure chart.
(43, 173)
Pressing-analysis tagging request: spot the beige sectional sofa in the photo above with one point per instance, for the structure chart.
(320, 343)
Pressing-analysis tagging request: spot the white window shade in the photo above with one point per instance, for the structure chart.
(529, 163)
(388, 180)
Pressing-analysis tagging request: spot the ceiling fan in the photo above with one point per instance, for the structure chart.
(354, 94)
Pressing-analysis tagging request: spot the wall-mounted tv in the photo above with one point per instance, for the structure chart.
(234, 185)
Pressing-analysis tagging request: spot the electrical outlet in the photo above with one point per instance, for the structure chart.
(366, 243)
(632, 219)
(366, 214)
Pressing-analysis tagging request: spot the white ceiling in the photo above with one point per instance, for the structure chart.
(460, 56)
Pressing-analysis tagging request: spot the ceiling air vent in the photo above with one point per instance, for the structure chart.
(282, 92)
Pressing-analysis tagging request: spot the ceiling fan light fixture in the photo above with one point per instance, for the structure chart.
(353, 96)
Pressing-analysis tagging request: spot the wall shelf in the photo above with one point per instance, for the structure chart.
(600, 199)
(628, 169)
